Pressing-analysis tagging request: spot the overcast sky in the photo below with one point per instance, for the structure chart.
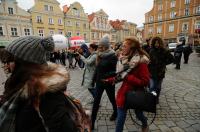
(131, 10)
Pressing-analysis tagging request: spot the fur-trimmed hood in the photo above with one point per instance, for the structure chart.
(53, 83)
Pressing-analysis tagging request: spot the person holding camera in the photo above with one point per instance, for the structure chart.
(89, 70)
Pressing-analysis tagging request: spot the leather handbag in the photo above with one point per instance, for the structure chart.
(141, 100)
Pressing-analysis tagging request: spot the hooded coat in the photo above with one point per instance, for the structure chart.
(54, 108)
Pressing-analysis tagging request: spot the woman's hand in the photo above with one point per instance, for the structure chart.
(110, 80)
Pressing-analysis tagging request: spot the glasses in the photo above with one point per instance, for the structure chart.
(6, 62)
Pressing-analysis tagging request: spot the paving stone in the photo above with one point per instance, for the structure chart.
(196, 127)
(170, 123)
(177, 129)
(164, 128)
(183, 124)
(102, 129)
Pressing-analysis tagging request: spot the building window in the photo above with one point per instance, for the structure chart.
(10, 10)
(51, 8)
(197, 25)
(93, 35)
(85, 36)
(173, 4)
(171, 27)
(51, 32)
(185, 27)
(41, 32)
(27, 32)
(14, 31)
(160, 7)
(76, 12)
(113, 37)
(172, 14)
(78, 34)
(97, 35)
(69, 34)
(50, 20)
(46, 7)
(187, 13)
(151, 19)
(187, 1)
(60, 31)
(159, 29)
(150, 30)
(84, 25)
(160, 17)
(39, 19)
(69, 23)
(77, 24)
(1, 31)
(198, 9)
(60, 21)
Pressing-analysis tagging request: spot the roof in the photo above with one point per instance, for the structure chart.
(117, 24)
(65, 8)
(91, 17)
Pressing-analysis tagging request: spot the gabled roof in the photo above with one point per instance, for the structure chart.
(65, 9)
(91, 17)
(117, 24)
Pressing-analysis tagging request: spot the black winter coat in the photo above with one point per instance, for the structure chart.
(106, 67)
(159, 58)
(55, 110)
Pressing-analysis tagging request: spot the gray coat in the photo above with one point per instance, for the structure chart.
(89, 70)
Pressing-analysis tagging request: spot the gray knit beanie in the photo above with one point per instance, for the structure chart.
(31, 48)
(105, 41)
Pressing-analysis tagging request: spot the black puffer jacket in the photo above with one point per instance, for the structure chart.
(106, 66)
(159, 58)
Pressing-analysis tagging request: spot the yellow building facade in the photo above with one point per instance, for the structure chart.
(47, 18)
(76, 21)
(172, 19)
(14, 22)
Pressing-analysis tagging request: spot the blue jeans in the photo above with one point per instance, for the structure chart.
(155, 85)
(121, 117)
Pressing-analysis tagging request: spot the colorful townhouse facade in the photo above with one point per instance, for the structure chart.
(123, 29)
(172, 19)
(76, 21)
(14, 22)
(99, 25)
(47, 18)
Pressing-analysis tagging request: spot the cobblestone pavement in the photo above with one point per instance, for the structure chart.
(178, 110)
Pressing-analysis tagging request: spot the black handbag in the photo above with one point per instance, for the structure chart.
(141, 100)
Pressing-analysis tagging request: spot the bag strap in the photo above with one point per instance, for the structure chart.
(138, 123)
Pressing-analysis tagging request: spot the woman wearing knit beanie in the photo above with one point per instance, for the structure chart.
(34, 98)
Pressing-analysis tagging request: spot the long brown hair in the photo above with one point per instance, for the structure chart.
(159, 40)
(25, 73)
(135, 46)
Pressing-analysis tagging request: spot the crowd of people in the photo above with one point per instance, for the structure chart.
(36, 98)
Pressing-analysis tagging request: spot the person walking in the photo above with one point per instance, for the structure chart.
(187, 50)
(178, 53)
(136, 77)
(106, 67)
(147, 46)
(89, 70)
(159, 58)
(34, 96)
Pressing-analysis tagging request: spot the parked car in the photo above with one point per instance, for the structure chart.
(172, 46)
